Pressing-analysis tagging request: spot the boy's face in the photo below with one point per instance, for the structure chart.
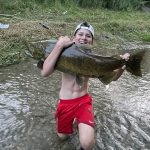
(83, 36)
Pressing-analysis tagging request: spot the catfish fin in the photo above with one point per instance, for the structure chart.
(106, 79)
(134, 64)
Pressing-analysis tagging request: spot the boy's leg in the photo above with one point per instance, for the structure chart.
(63, 136)
(86, 136)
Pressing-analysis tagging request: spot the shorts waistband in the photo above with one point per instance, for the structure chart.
(75, 100)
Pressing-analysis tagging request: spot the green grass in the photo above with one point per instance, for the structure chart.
(109, 4)
(111, 27)
(146, 37)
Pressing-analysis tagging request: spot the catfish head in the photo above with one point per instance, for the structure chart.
(36, 51)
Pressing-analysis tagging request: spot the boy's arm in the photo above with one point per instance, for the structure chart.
(50, 61)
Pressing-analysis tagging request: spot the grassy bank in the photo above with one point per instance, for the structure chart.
(111, 27)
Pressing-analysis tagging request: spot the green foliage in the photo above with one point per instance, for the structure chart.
(17, 5)
(123, 4)
(22, 5)
(89, 3)
(110, 4)
(146, 37)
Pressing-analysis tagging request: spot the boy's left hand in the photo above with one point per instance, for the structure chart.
(125, 56)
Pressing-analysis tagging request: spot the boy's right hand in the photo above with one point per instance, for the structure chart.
(64, 41)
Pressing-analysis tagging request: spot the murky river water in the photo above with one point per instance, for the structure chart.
(27, 107)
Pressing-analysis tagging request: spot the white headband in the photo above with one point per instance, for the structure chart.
(89, 28)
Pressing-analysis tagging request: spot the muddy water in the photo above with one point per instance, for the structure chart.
(27, 107)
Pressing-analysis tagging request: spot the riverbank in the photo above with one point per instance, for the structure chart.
(111, 28)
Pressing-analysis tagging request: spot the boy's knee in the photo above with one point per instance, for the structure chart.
(63, 136)
(87, 144)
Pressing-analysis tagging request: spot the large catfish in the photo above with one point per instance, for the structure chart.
(78, 59)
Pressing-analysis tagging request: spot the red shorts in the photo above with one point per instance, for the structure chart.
(79, 108)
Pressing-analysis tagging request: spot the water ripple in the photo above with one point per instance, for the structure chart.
(28, 101)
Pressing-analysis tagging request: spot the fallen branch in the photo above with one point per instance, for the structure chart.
(6, 15)
(9, 16)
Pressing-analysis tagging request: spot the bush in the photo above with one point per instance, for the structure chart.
(16, 5)
(32, 4)
(111, 4)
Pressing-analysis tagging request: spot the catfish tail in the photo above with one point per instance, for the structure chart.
(134, 64)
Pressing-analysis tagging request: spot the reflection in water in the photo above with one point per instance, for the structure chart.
(27, 106)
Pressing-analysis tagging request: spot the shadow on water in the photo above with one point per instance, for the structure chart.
(28, 101)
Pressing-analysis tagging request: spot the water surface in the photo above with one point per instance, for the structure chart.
(27, 106)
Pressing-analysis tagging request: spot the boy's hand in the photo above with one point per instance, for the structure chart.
(64, 41)
(126, 58)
